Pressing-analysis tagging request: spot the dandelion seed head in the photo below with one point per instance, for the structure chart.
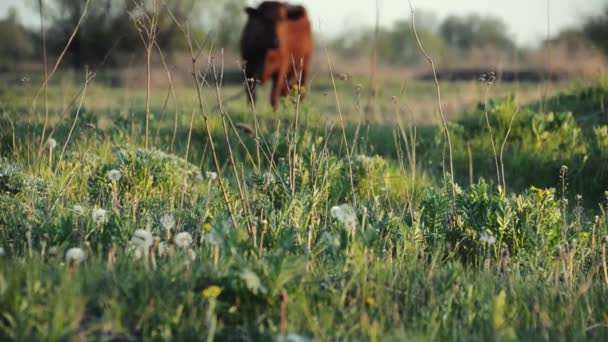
(183, 240)
(191, 254)
(74, 256)
(211, 175)
(165, 249)
(51, 143)
(487, 238)
(167, 221)
(2, 252)
(142, 238)
(99, 216)
(78, 209)
(114, 175)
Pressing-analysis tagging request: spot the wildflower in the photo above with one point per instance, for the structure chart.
(51, 143)
(114, 175)
(294, 338)
(2, 251)
(487, 238)
(345, 214)
(211, 175)
(206, 227)
(183, 240)
(142, 238)
(167, 221)
(165, 249)
(74, 256)
(53, 250)
(252, 281)
(99, 216)
(267, 177)
(78, 209)
(370, 301)
(212, 291)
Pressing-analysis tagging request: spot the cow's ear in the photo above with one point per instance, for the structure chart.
(251, 11)
(295, 12)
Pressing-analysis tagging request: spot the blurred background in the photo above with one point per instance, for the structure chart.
(521, 39)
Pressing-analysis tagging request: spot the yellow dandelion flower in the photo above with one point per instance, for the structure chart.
(206, 227)
(370, 301)
(212, 291)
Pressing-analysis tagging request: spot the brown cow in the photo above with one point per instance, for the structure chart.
(276, 43)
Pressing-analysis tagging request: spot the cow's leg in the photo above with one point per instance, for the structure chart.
(278, 84)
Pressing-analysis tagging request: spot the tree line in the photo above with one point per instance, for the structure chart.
(108, 35)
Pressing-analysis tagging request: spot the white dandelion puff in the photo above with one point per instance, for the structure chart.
(345, 214)
(183, 240)
(114, 175)
(74, 256)
(487, 238)
(211, 175)
(142, 238)
(191, 254)
(78, 209)
(99, 216)
(2, 252)
(294, 338)
(165, 249)
(51, 143)
(167, 221)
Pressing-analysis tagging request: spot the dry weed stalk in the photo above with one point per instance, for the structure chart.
(147, 27)
(444, 122)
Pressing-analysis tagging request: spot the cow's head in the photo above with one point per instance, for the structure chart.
(266, 18)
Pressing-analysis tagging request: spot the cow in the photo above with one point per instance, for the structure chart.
(276, 44)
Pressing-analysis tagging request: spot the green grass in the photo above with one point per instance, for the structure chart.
(408, 262)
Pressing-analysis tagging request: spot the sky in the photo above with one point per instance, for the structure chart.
(526, 19)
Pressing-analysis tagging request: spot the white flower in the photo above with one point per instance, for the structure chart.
(51, 143)
(192, 254)
(211, 175)
(53, 250)
(114, 175)
(2, 251)
(142, 238)
(74, 255)
(487, 238)
(78, 209)
(183, 240)
(99, 216)
(362, 158)
(165, 249)
(167, 221)
(345, 214)
(268, 177)
(294, 338)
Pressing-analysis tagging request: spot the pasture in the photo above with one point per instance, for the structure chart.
(361, 209)
(272, 251)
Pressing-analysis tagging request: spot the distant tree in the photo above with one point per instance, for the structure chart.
(596, 30)
(474, 31)
(16, 43)
(108, 31)
(396, 46)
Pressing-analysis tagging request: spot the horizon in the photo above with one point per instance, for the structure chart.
(526, 27)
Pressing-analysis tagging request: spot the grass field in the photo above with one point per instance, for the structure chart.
(337, 218)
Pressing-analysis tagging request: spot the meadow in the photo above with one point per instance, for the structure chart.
(348, 215)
